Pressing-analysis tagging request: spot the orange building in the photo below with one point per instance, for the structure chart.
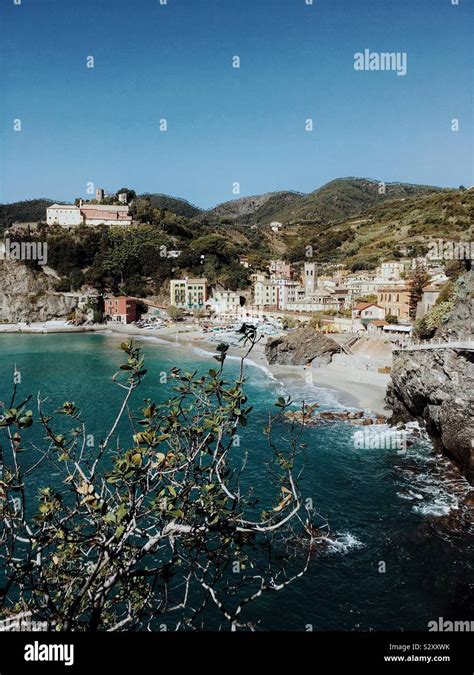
(395, 301)
(121, 309)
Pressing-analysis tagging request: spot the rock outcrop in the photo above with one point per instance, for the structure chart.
(437, 386)
(28, 295)
(301, 347)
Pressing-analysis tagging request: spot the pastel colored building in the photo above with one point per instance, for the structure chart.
(266, 294)
(280, 269)
(391, 269)
(121, 309)
(188, 293)
(225, 302)
(368, 310)
(96, 214)
(395, 301)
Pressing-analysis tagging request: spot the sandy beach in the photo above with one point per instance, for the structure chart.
(354, 385)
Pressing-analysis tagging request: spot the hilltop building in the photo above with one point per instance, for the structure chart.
(68, 215)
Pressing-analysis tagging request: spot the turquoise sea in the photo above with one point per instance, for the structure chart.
(382, 506)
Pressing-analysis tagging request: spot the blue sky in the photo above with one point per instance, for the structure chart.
(174, 61)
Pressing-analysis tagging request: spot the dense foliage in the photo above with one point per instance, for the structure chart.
(153, 525)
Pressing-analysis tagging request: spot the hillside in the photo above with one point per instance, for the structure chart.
(345, 221)
(346, 197)
(391, 228)
(180, 207)
(257, 209)
(30, 211)
(338, 200)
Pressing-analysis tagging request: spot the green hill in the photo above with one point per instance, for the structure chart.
(180, 207)
(393, 227)
(29, 211)
(258, 209)
(341, 198)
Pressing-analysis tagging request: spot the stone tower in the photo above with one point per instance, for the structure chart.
(309, 277)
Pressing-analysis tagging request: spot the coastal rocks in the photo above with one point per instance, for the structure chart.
(300, 348)
(27, 295)
(436, 386)
(309, 418)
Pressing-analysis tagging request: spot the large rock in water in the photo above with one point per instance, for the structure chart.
(300, 348)
(437, 387)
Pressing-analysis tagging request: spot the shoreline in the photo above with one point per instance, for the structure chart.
(352, 386)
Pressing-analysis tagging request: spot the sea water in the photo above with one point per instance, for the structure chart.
(390, 564)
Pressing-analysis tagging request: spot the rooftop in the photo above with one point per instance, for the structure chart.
(62, 206)
(105, 207)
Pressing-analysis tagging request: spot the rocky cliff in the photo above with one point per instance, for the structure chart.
(437, 386)
(28, 295)
(301, 347)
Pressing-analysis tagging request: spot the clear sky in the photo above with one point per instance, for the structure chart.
(174, 61)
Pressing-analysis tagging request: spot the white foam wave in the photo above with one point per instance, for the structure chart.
(342, 542)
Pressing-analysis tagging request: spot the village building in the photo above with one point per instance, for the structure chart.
(258, 276)
(368, 310)
(188, 293)
(290, 292)
(280, 269)
(310, 273)
(391, 269)
(121, 309)
(376, 327)
(320, 301)
(343, 297)
(266, 294)
(395, 301)
(224, 303)
(428, 299)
